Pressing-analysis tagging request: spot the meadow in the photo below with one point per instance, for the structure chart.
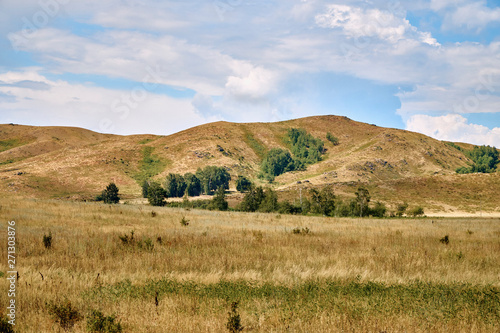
(174, 270)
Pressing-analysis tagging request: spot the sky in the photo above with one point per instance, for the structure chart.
(159, 67)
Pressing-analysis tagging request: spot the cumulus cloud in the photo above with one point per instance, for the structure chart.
(105, 110)
(357, 22)
(454, 127)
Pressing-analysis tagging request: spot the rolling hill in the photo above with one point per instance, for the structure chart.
(396, 165)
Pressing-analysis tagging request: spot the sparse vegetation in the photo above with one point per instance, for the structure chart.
(349, 274)
(150, 165)
(47, 241)
(97, 322)
(65, 314)
(333, 139)
(234, 320)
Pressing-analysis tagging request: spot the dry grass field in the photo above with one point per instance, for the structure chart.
(288, 273)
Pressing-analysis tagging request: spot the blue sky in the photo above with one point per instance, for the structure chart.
(151, 66)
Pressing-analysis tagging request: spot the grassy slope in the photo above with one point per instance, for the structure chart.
(346, 275)
(69, 162)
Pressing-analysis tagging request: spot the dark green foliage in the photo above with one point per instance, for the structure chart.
(445, 240)
(110, 194)
(379, 210)
(47, 241)
(269, 202)
(333, 139)
(175, 186)
(156, 194)
(401, 209)
(184, 221)
(452, 144)
(485, 160)
(64, 314)
(234, 321)
(304, 147)
(277, 162)
(219, 201)
(252, 200)
(213, 177)
(323, 201)
(362, 199)
(5, 327)
(98, 322)
(243, 184)
(145, 188)
(193, 185)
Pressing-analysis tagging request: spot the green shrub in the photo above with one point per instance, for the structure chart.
(97, 322)
(417, 211)
(64, 314)
(47, 241)
(234, 320)
(334, 140)
(243, 184)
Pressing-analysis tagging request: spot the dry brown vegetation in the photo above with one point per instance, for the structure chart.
(355, 275)
(55, 162)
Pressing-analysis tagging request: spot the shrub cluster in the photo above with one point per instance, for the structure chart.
(485, 160)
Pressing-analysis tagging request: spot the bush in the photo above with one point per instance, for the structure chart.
(64, 314)
(110, 194)
(417, 211)
(5, 327)
(334, 140)
(97, 322)
(445, 240)
(252, 200)
(379, 210)
(219, 201)
(234, 320)
(47, 241)
(401, 209)
(156, 195)
(243, 184)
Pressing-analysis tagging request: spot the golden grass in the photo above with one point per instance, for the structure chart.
(258, 248)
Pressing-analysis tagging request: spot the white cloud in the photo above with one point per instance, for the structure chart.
(472, 15)
(105, 110)
(454, 127)
(357, 22)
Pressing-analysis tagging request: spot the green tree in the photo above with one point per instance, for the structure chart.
(156, 194)
(213, 177)
(252, 200)
(323, 201)
(277, 162)
(193, 185)
(379, 210)
(110, 194)
(362, 199)
(219, 201)
(401, 209)
(243, 184)
(145, 187)
(269, 202)
(175, 185)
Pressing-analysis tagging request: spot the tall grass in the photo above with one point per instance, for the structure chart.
(345, 275)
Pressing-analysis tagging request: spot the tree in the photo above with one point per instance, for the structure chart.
(156, 194)
(269, 202)
(193, 185)
(110, 194)
(401, 209)
(417, 211)
(252, 200)
(219, 201)
(323, 202)
(362, 199)
(213, 177)
(175, 185)
(379, 210)
(145, 187)
(243, 184)
(277, 162)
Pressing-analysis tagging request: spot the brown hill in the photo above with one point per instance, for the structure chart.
(73, 162)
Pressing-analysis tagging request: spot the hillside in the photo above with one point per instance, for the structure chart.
(75, 163)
